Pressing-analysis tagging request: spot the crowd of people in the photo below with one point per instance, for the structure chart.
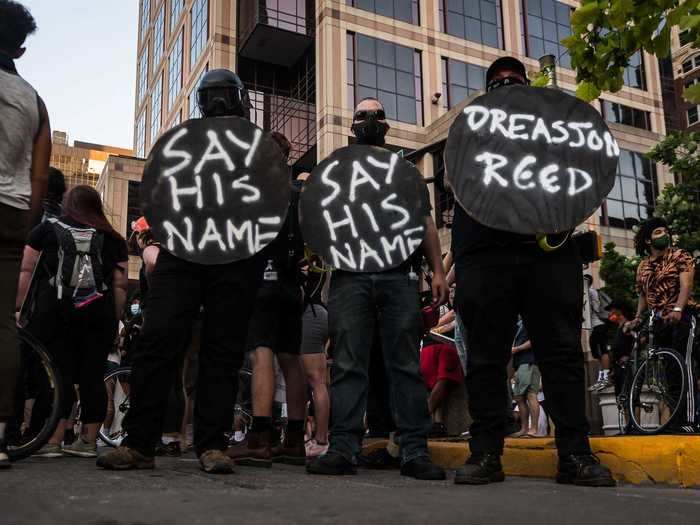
(202, 339)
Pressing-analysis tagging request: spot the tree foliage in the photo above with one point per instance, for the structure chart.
(606, 33)
(619, 273)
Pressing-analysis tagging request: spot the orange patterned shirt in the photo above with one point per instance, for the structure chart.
(659, 279)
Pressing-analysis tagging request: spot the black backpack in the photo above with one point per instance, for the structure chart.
(79, 271)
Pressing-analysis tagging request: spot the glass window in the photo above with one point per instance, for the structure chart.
(460, 80)
(143, 75)
(389, 72)
(158, 33)
(547, 22)
(691, 63)
(145, 16)
(193, 110)
(175, 12)
(476, 20)
(200, 30)
(404, 10)
(692, 115)
(634, 72)
(133, 209)
(141, 135)
(156, 108)
(175, 71)
(634, 195)
(621, 114)
(350, 70)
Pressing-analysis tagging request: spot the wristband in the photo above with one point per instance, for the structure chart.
(677, 309)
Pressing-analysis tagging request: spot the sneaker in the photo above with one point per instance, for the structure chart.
(216, 462)
(253, 452)
(378, 459)
(4, 458)
(599, 385)
(481, 469)
(171, 450)
(314, 449)
(81, 448)
(331, 464)
(124, 458)
(585, 470)
(423, 468)
(49, 451)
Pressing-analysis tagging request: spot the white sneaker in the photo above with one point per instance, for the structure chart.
(313, 449)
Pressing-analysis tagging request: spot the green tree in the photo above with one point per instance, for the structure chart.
(619, 273)
(606, 33)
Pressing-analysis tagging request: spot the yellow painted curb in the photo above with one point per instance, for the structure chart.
(669, 460)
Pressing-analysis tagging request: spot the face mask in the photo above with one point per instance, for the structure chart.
(506, 81)
(135, 309)
(370, 131)
(661, 243)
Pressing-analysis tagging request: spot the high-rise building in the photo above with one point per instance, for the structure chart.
(82, 162)
(307, 62)
(685, 67)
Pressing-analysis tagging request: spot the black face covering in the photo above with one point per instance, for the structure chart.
(370, 131)
(505, 81)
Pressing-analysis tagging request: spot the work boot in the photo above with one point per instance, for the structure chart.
(292, 450)
(585, 470)
(125, 458)
(253, 452)
(422, 468)
(216, 462)
(4, 458)
(481, 469)
(331, 464)
(378, 459)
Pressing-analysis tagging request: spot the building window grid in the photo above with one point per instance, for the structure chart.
(547, 23)
(143, 75)
(622, 114)
(156, 108)
(633, 197)
(404, 10)
(384, 70)
(350, 68)
(634, 73)
(193, 106)
(158, 36)
(141, 135)
(691, 63)
(460, 80)
(175, 71)
(200, 30)
(145, 16)
(476, 20)
(176, 7)
(692, 115)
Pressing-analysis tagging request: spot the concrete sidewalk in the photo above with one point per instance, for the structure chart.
(639, 460)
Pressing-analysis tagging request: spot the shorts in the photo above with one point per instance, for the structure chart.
(314, 330)
(440, 362)
(527, 380)
(276, 321)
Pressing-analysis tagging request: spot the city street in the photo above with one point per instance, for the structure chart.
(38, 491)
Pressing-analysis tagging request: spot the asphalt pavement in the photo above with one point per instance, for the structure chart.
(74, 491)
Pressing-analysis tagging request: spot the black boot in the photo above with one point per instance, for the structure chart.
(481, 469)
(331, 464)
(585, 470)
(422, 468)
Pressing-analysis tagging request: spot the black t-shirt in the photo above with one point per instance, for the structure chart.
(43, 238)
(526, 357)
(622, 344)
(470, 236)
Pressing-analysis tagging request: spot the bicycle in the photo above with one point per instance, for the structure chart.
(39, 397)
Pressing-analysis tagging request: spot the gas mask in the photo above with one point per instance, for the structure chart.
(369, 127)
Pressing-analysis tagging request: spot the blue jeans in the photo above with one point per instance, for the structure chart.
(357, 302)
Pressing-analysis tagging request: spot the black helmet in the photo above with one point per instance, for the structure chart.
(221, 93)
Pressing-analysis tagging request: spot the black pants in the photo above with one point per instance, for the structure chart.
(546, 289)
(599, 340)
(178, 288)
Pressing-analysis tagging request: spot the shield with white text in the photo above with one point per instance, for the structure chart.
(530, 160)
(363, 209)
(215, 190)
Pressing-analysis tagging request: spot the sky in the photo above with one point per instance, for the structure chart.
(82, 61)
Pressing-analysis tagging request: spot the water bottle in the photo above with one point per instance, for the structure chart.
(270, 271)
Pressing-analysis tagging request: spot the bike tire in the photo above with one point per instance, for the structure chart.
(669, 356)
(29, 343)
(103, 435)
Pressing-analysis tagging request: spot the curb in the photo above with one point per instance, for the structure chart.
(639, 460)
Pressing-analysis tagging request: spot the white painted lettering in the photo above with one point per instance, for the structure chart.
(389, 167)
(493, 162)
(215, 151)
(472, 112)
(333, 226)
(175, 192)
(245, 231)
(587, 181)
(548, 179)
(370, 216)
(173, 232)
(337, 256)
(356, 180)
(211, 233)
(578, 127)
(611, 147)
(594, 141)
(396, 244)
(262, 239)
(240, 184)
(386, 205)
(498, 116)
(541, 129)
(219, 189)
(170, 153)
(514, 128)
(558, 125)
(522, 177)
(251, 147)
(325, 179)
(365, 252)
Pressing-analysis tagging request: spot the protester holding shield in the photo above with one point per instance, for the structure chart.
(215, 192)
(366, 212)
(525, 163)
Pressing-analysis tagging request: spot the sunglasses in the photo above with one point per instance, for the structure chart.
(365, 114)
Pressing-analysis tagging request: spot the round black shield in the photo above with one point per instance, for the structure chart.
(363, 209)
(215, 190)
(530, 160)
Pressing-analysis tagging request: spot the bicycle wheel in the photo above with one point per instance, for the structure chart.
(118, 399)
(657, 391)
(38, 399)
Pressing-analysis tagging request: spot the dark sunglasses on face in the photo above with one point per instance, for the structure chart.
(364, 114)
(506, 81)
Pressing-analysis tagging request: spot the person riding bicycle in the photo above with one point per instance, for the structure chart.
(665, 284)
